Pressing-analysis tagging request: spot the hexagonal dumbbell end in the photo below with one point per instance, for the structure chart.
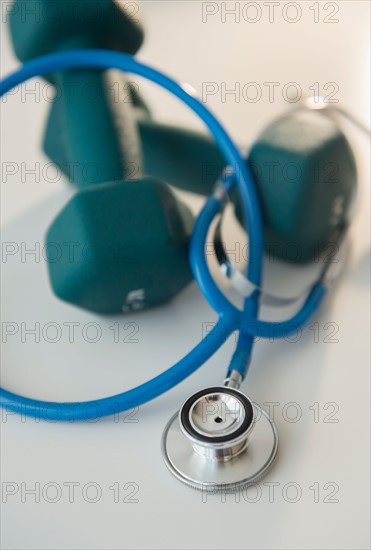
(306, 179)
(120, 246)
(39, 27)
(91, 134)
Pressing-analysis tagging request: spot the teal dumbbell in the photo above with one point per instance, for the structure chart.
(304, 170)
(87, 100)
(120, 245)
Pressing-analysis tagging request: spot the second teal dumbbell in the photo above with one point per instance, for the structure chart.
(303, 167)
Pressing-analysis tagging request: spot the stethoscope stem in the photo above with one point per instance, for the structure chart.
(233, 380)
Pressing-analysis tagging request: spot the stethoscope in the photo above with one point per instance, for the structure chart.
(220, 439)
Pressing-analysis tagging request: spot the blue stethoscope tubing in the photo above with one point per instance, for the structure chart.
(230, 316)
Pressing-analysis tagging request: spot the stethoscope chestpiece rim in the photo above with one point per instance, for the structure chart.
(219, 441)
(217, 415)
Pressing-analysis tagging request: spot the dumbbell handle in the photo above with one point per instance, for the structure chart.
(183, 158)
(186, 159)
(92, 129)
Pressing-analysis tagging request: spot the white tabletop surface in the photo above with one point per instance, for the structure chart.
(317, 494)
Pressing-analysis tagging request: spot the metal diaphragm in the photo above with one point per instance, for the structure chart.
(219, 441)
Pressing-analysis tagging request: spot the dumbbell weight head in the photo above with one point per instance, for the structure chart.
(85, 112)
(121, 246)
(39, 27)
(306, 178)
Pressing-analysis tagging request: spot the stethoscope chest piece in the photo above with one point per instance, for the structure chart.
(219, 441)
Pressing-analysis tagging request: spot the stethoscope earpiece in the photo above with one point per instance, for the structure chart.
(219, 440)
